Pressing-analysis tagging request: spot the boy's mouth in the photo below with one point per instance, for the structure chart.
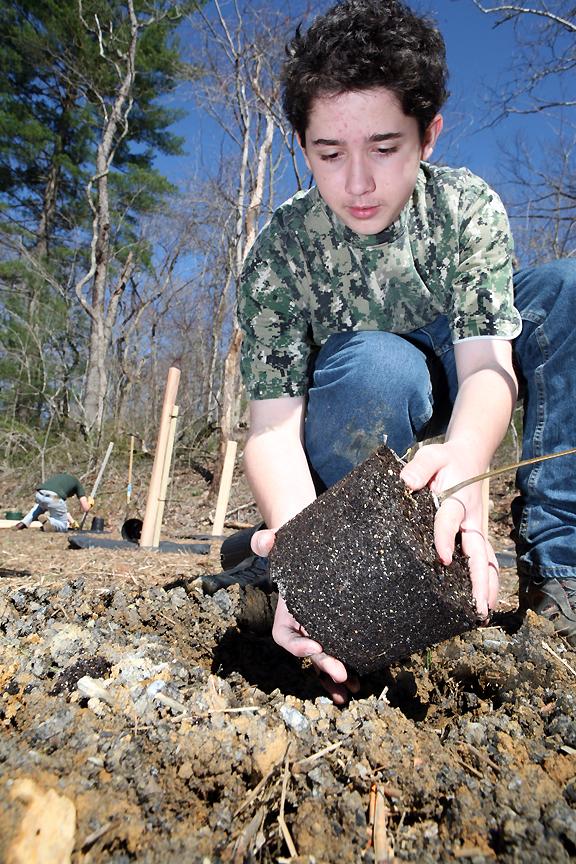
(364, 212)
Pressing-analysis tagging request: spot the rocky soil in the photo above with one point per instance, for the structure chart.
(141, 721)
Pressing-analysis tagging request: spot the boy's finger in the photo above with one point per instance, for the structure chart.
(330, 666)
(493, 577)
(474, 545)
(334, 677)
(425, 465)
(262, 542)
(299, 646)
(449, 518)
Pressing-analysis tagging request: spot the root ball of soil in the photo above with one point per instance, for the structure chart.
(358, 569)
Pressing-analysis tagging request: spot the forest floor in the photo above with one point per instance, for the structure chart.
(143, 721)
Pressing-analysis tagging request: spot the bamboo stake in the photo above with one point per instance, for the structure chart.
(149, 524)
(224, 490)
(165, 476)
(130, 460)
(99, 477)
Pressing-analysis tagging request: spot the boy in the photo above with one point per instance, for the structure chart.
(379, 305)
(51, 508)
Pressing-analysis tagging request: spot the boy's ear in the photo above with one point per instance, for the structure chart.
(303, 149)
(431, 136)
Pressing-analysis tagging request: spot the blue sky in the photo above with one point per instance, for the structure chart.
(479, 57)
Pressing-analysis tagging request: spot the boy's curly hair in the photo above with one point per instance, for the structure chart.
(361, 44)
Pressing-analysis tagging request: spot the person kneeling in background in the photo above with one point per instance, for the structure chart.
(51, 508)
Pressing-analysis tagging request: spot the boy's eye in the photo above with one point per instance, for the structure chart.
(328, 157)
(387, 151)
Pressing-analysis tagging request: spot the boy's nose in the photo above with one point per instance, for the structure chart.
(359, 179)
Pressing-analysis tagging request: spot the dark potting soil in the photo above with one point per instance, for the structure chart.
(358, 569)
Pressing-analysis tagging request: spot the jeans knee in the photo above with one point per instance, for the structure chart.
(547, 287)
(368, 387)
(373, 365)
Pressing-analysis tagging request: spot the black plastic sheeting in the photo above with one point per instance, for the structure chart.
(86, 540)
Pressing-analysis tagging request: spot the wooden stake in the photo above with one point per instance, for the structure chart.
(165, 477)
(224, 490)
(149, 524)
(10, 523)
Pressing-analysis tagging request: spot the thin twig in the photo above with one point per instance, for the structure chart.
(481, 755)
(167, 618)
(557, 656)
(259, 787)
(471, 769)
(281, 821)
(96, 835)
(250, 832)
(502, 470)
(300, 763)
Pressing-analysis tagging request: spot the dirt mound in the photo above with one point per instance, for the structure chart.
(180, 732)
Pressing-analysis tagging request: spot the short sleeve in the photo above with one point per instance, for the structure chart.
(482, 290)
(275, 347)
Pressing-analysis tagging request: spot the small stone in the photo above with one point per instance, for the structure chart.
(294, 719)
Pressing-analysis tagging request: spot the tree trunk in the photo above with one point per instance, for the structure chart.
(102, 313)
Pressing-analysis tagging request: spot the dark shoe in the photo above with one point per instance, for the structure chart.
(19, 526)
(252, 571)
(236, 548)
(554, 599)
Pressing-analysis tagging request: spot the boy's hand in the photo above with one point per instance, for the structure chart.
(440, 466)
(333, 674)
(291, 636)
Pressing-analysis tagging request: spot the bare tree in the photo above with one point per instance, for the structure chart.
(542, 197)
(540, 190)
(240, 91)
(99, 305)
(545, 58)
(110, 269)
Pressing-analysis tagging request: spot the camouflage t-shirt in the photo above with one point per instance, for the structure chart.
(309, 276)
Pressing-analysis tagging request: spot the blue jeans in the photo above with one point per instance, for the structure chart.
(370, 386)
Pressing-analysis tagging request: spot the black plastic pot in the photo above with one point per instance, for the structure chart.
(131, 530)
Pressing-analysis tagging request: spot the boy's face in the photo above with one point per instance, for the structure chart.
(364, 153)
